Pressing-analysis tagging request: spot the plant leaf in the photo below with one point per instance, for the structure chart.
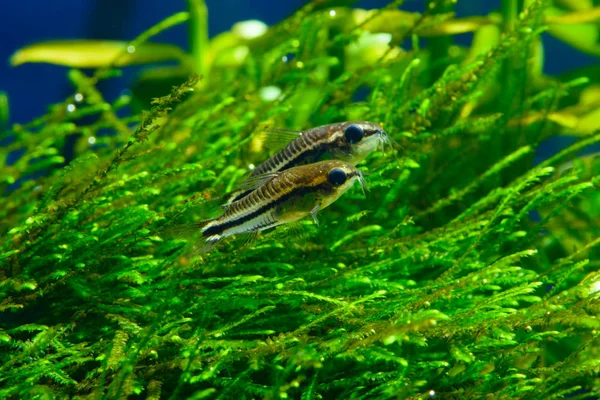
(96, 53)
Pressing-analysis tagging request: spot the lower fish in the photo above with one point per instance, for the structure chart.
(284, 197)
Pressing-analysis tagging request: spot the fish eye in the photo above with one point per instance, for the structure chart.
(354, 134)
(337, 177)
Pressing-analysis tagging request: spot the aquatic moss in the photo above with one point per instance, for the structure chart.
(465, 272)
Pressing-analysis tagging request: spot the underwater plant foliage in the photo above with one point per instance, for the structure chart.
(466, 271)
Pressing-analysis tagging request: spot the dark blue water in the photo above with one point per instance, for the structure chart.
(32, 87)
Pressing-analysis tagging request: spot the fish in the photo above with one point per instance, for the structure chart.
(350, 141)
(281, 198)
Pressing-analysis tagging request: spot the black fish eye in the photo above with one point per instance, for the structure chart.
(337, 177)
(354, 134)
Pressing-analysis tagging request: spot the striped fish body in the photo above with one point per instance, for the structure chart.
(289, 196)
(313, 144)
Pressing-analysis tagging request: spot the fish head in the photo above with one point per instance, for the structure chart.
(353, 141)
(333, 178)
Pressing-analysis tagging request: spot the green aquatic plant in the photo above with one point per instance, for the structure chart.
(467, 271)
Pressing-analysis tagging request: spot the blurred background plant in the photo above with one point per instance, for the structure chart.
(470, 269)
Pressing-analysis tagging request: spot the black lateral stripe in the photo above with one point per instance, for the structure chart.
(220, 228)
(316, 152)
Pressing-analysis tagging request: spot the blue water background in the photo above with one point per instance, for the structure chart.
(32, 87)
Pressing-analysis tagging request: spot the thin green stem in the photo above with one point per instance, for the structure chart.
(510, 10)
(4, 111)
(198, 34)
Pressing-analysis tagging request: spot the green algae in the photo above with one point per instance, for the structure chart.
(438, 283)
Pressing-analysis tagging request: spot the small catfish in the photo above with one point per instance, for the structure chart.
(347, 141)
(281, 198)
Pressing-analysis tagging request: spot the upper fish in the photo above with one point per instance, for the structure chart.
(350, 141)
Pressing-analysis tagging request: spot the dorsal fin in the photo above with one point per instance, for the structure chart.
(255, 181)
(276, 139)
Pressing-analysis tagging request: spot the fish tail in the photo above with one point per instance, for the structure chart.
(187, 231)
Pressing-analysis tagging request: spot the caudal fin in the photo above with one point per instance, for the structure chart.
(187, 232)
